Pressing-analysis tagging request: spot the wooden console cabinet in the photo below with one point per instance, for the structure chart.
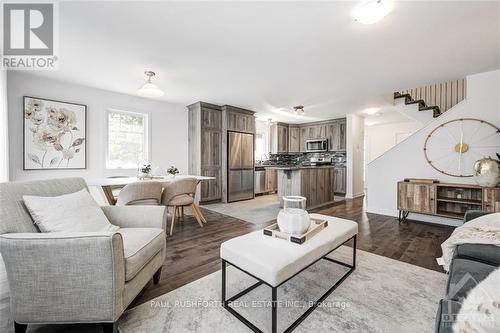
(447, 200)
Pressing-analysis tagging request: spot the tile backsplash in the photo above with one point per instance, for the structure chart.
(299, 158)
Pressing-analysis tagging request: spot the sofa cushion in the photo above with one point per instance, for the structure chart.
(73, 212)
(465, 274)
(485, 252)
(446, 315)
(140, 245)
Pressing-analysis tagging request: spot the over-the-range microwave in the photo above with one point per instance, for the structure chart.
(316, 145)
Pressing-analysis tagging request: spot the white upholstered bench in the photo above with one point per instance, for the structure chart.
(275, 261)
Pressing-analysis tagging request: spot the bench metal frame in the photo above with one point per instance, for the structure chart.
(274, 290)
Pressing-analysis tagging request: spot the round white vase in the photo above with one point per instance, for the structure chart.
(293, 218)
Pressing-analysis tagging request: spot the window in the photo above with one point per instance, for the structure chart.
(127, 139)
(261, 146)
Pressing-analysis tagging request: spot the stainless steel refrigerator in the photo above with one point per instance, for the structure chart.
(240, 173)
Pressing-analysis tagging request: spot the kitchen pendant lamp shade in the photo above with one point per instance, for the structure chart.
(150, 89)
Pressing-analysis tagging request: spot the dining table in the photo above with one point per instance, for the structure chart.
(109, 184)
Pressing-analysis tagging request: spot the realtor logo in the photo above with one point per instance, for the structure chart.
(29, 31)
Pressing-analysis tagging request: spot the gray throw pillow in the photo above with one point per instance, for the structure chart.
(74, 212)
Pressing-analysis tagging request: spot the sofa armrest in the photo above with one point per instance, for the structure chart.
(137, 216)
(486, 253)
(472, 214)
(64, 277)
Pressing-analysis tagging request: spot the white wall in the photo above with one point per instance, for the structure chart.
(263, 126)
(406, 160)
(169, 135)
(355, 137)
(381, 138)
(4, 133)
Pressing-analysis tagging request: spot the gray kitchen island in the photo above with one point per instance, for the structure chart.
(316, 183)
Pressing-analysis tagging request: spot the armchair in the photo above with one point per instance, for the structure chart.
(57, 278)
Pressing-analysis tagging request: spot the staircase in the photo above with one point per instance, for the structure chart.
(422, 106)
(437, 97)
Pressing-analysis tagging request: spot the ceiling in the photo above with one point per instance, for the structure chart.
(270, 56)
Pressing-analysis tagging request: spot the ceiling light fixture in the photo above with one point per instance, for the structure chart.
(270, 121)
(299, 109)
(150, 89)
(372, 11)
(371, 111)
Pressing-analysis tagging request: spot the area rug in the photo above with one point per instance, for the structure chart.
(381, 295)
(262, 209)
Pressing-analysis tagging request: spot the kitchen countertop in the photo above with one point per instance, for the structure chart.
(299, 167)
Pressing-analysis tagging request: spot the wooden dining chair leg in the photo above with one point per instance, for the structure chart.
(196, 216)
(200, 213)
(174, 216)
(182, 213)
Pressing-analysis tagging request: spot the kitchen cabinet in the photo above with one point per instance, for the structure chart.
(271, 180)
(238, 120)
(294, 139)
(337, 135)
(205, 148)
(279, 138)
(340, 180)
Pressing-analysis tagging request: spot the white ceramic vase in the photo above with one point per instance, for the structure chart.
(293, 218)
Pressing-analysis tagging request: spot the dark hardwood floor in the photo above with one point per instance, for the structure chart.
(193, 252)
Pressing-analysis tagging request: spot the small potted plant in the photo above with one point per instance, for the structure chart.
(144, 170)
(172, 171)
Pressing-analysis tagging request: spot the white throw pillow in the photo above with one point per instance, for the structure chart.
(74, 212)
(480, 311)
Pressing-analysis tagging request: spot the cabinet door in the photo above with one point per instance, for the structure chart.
(320, 131)
(340, 180)
(294, 139)
(415, 197)
(282, 139)
(211, 148)
(211, 189)
(211, 118)
(303, 137)
(342, 135)
(491, 202)
(241, 122)
(271, 180)
(330, 134)
(334, 136)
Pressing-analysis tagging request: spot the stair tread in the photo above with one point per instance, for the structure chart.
(422, 106)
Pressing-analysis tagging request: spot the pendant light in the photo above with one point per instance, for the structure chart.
(150, 89)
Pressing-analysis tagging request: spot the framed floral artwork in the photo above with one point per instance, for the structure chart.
(54, 134)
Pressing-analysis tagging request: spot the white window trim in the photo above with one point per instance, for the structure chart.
(147, 134)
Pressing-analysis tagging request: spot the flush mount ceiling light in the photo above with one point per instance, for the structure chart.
(150, 89)
(371, 111)
(372, 11)
(299, 109)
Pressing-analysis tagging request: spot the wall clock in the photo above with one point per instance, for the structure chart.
(453, 147)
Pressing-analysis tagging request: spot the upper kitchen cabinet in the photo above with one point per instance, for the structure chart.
(294, 145)
(336, 134)
(205, 148)
(279, 138)
(238, 120)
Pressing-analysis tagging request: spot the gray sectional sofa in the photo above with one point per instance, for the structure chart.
(471, 264)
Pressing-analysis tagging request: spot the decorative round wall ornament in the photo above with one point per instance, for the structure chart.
(454, 146)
